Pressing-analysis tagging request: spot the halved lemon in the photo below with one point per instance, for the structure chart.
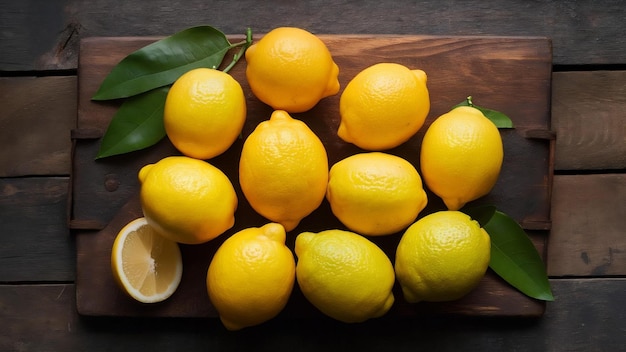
(146, 265)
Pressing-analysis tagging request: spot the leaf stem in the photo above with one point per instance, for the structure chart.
(245, 44)
(469, 101)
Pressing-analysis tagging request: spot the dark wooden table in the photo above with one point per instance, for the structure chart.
(586, 259)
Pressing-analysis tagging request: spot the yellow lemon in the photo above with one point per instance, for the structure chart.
(442, 257)
(375, 193)
(283, 170)
(251, 276)
(461, 156)
(383, 106)
(204, 113)
(187, 200)
(344, 275)
(146, 265)
(291, 69)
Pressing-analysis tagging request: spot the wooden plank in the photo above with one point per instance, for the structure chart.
(36, 245)
(37, 317)
(38, 114)
(585, 239)
(589, 117)
(589, 218)
(24, 49)
(583, 318)
(583, 32)
(496, 68)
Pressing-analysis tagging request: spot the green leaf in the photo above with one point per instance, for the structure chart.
(515, 258)
(144, 78)
(481, 213)
(162, 62)
(136, 125)
(498, 118)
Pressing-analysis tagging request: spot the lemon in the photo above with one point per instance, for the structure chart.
(375, 193)
(383, 106)
(204, 113)
(442, 257)
(344, 275)
(283, 170)
(461, 156)
(187, 200)
(251, 276)
(291, 69)
(147, 266)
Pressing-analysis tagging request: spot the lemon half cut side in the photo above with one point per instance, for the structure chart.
(146, 265)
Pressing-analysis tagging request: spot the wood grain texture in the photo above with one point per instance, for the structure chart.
(495, 68)
(589, 218)
(589, 117)
(36, 244)
(37, 116)
(29, 33)
(583, 318)
(583, 32)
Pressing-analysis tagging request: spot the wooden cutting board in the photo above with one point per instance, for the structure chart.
(509, 74)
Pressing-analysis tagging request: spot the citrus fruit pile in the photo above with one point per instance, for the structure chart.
(285, 176)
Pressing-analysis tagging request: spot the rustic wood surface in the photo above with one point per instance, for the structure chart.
(586, 246)
(589, 99)
(586, 239)
(564, 327)
(44, 121)
(584, 32)
(36, 245)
